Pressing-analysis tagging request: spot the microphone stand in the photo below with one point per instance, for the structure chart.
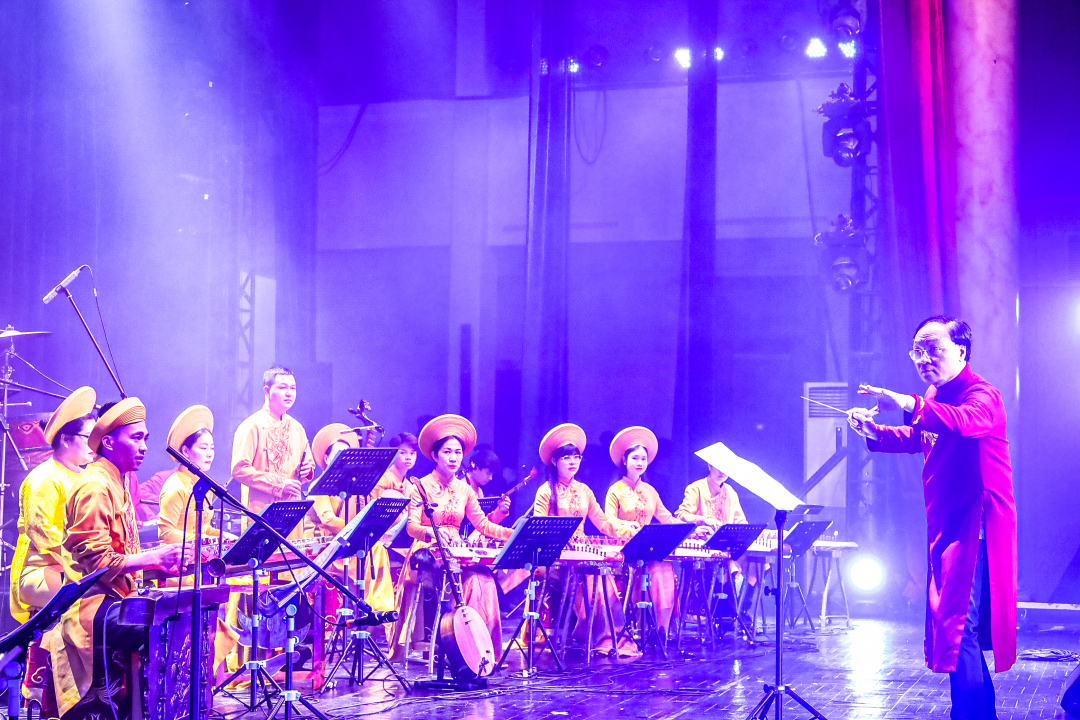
(112, 373)
(205, 485)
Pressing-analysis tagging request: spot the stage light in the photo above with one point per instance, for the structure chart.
(682, 56)
(847, 48)
(572, 65)
(718, 53)
(866, 574)
(816, 48)
(846, 134)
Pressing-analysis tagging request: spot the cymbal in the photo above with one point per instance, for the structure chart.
(11, 332)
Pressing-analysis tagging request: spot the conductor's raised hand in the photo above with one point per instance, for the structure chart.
(862, 422)
(887, 400)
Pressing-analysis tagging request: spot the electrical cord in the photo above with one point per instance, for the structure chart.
(101, 319)
(1049, 655)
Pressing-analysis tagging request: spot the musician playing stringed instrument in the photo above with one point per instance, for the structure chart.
(632, 498)
(446, 439)
(482, 466)
(563, 494)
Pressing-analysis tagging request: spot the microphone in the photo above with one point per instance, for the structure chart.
(63, 285)
(375, 617)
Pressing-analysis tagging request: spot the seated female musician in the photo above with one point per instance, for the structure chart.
(191, 435)
(40, 561)
(482, 466)
(563, 494)
(710, 503)
(631, 498)
(446, 439)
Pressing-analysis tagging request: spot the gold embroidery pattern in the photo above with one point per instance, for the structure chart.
(929, 438)
(277, 448)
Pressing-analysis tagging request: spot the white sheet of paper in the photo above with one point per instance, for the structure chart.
(749, 475)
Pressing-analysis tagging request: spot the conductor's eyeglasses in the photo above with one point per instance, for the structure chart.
(933, 351)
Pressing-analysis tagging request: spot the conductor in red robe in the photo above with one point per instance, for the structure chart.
(959, 427)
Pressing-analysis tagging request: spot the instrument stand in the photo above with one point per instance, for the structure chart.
(259, 677)
(651, 543)
(541, 539)
(775, 693)
(289, 696)
(648, 628)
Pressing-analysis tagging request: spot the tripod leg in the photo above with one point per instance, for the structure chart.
(806, 706)
(551, 647)
(329, 681)
(761, 710)
(314, 710)
(383, 661)
(515, 639)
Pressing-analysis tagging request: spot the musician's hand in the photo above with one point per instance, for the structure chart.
(307, 468)
(862, 422)
(504, 505)
(291, 490)
(167, 557)
(712, 523)
(887, 400)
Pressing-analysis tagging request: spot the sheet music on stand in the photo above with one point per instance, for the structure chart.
(537, 540)
(656, 541)
(353, 471)
(735, 538)
(283, 516)
(362, 531)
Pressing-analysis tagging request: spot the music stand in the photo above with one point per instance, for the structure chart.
(253, 548)
(17, 641)
(369, 526)
(776, 692)
(800, 539)
(652, 542)
(537, 541)
(735, 539)
(353, 471)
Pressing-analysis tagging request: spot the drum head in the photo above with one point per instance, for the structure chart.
(474, 641)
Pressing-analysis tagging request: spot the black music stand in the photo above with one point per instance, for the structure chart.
(488, 505)
(735, 539)
(370, 525)
(800, 539)
(776, 692)
(652, 542)
(16, 642)
(537, 541)
(253, 548)
(353, 471)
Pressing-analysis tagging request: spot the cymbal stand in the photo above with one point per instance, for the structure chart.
(5, 372)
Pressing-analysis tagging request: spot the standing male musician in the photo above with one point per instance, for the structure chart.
(271, 456)
(102, 533)
(959, 426)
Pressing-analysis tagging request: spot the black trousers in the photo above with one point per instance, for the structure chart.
(971, 686)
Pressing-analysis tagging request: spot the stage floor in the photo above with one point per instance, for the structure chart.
(872, 670)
